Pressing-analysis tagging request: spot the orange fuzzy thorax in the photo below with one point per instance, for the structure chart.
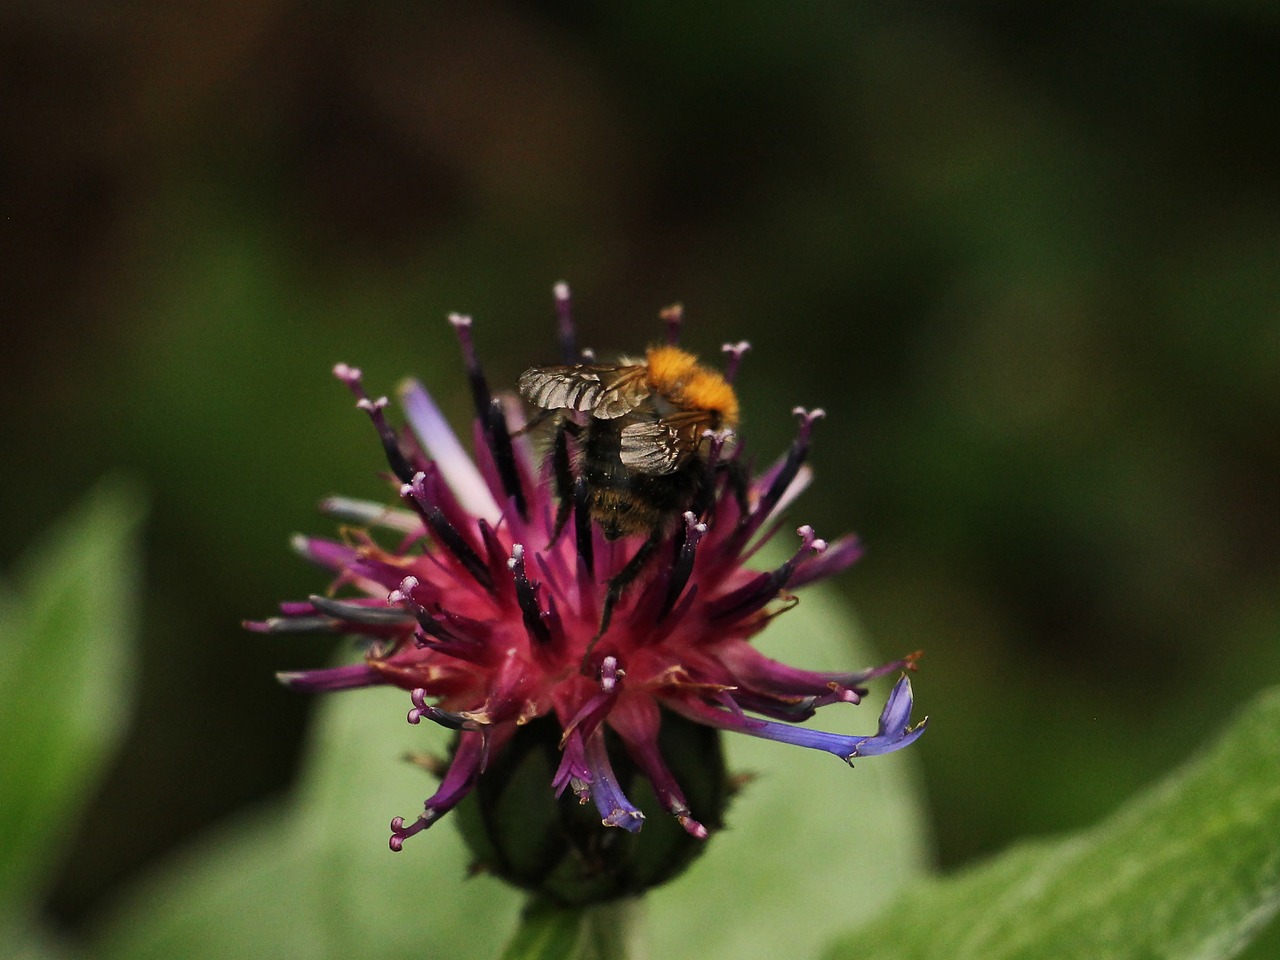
(678, 377)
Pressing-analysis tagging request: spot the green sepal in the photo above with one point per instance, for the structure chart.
(558, 848)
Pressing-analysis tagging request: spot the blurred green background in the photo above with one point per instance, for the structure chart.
(1026, 256)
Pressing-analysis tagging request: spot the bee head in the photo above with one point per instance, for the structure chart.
(677, 376)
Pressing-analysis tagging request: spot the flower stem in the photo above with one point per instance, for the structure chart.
(614, 931)
(610, 931)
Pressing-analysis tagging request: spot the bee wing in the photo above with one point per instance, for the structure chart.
(605, 391)
(660, 445)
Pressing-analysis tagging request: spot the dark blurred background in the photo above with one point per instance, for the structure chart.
(1027, 256)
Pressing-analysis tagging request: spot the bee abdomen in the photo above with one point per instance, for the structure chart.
(622, 513)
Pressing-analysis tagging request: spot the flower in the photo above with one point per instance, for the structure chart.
(491, 610)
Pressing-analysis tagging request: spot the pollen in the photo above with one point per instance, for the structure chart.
(677, 375)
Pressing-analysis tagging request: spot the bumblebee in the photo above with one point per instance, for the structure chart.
(640, 461)
(640, 456)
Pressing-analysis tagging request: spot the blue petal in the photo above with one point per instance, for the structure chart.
(895, 730)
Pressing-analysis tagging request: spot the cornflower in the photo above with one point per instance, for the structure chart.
(499, 608)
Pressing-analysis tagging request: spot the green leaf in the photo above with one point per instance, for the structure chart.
(66, 668)
(1190, 869)
(314, 878)
(33, 943)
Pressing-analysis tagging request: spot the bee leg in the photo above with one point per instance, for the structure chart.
(541, 417)
(624, 578)
(562, 470)
(704, 492)
(738, 481)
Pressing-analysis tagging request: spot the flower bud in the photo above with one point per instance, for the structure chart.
(519, 830)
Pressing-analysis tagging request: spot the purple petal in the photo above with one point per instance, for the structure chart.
(463, 771)
(442, 445)
(840, 555)
(335, 678)
(325, 553)
(803, 477)
(573, 770)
